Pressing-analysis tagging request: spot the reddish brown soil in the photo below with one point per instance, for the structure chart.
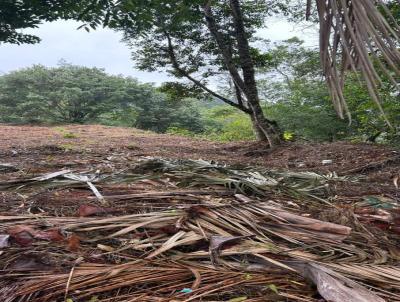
(35, 149)
(16, 141)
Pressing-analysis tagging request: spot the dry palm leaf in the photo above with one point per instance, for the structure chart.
(334, 287)
(357, 36)
(155, 253)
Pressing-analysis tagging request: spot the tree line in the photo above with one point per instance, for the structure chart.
(77, 94)
(290, 82)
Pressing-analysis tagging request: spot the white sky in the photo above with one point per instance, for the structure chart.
(102, 48)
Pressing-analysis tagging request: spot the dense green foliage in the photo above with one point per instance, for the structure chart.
(291, 87)
(67, 94)
(294, 94)
(74, 94)
(18, 15)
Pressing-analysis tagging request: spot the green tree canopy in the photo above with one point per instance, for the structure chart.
(76, 94)
(22, 14)
(66, 94)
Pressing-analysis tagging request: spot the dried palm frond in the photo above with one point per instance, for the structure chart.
(253, 233)
(357, 36)
(240, 179)
(218, 244)
(154, 281)
(190, 173)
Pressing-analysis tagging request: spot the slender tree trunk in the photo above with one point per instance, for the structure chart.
(271, 132)
(266, 130)
(257, 129)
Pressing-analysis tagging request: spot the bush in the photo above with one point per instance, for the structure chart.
(224, 123)
(180, 131)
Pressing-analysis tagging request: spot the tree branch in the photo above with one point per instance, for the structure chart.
(238, 93)
(287, 78)
(184, 73)
(226, 53)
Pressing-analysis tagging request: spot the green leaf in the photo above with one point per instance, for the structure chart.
(273, 288)
(238, 299)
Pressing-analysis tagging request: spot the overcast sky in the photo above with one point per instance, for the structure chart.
(103, 48)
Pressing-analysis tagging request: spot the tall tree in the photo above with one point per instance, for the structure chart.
(197, 40)
(66, 94)
(354, 35)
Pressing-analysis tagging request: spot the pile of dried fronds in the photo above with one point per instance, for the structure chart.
(361, 36)
(242, 235)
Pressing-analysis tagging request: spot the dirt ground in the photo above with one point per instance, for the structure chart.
(16, 142)
(35, 149)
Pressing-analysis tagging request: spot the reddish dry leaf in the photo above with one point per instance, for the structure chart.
(365, 210)
(89, 210)
(169, 229)
(73, 243)
(196, 211)
(25, 234)
(23, 238)
(379, 224)
(50, 235)
(21, 228)
(22, 234)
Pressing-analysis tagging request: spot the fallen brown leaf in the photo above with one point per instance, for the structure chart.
(73, 243)
(89, 210)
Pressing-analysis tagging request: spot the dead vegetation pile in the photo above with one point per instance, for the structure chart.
(193, 230)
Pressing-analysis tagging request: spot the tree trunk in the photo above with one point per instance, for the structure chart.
(265, 129)
(269, 128)
(257, 126)
(257, 130)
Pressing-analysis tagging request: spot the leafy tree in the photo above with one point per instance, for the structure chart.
(295, 94)
(224, 123)
(197, 40)
(190, 38)
(189, 35)
(18, 15)
(159, 113)
(67, 94)
(76, 94)
(367, 123)
(179, 91)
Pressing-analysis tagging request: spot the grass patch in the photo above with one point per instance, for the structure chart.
(69, 135)
(67, 147)
(65, 133)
